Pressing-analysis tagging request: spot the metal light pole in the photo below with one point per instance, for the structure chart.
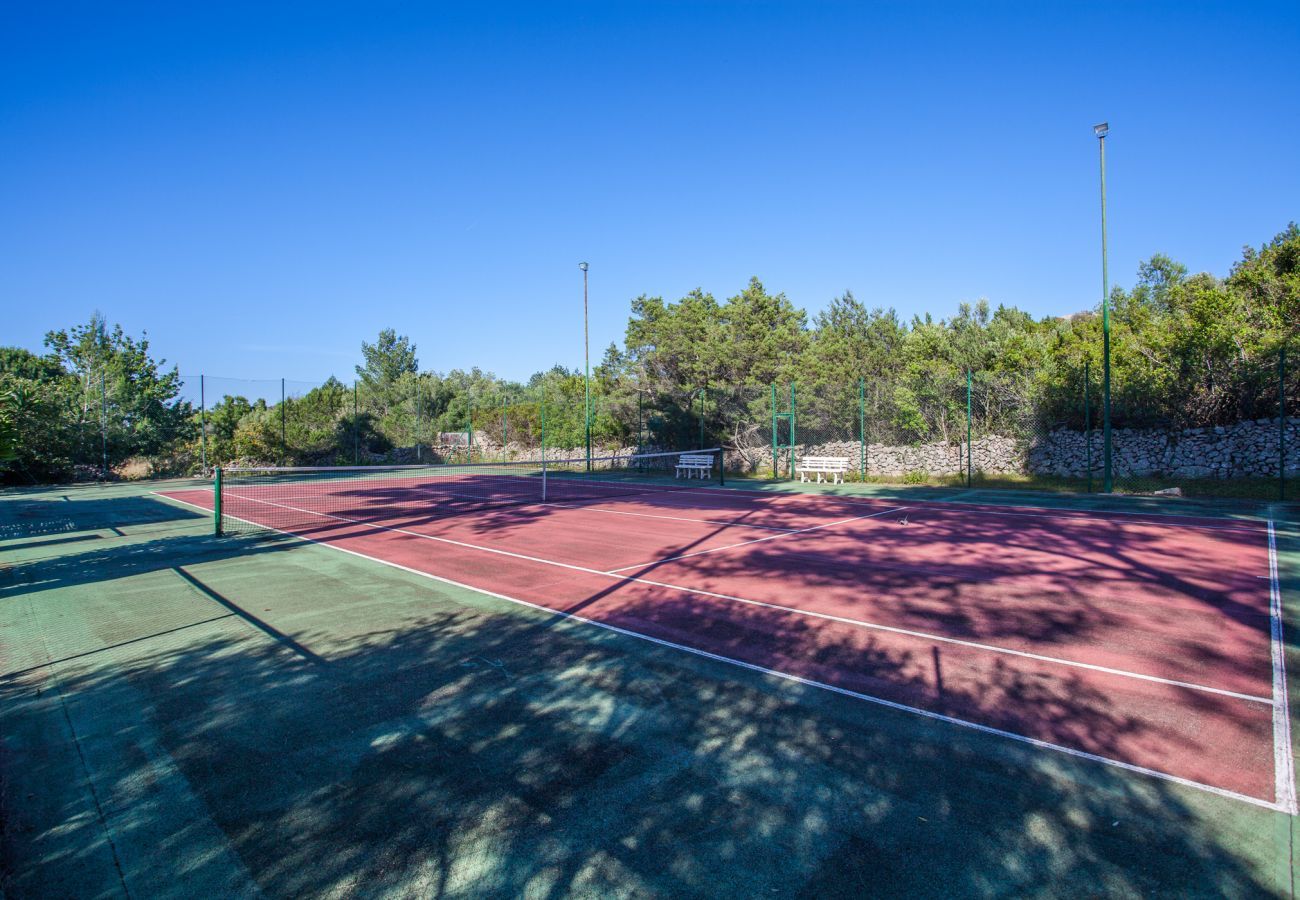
(1107, 482)
(586, 355)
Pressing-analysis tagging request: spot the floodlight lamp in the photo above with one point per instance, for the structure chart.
(1101, 130)
(582, 266)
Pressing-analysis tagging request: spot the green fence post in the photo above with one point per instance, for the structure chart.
(1281, 425)
(469, 450)
(775, 474)
(793, 419)
(968, 431)
(505, 425)
(1087, 425)
(862, 427)
(284, 444)
(216, 501)
(356, 427)
(103, 423)
(417, 421)
(639, 426)
(203, 426)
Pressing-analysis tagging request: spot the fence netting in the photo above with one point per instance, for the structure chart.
(1228, 431)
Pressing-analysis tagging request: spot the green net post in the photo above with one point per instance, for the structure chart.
(969, 476)
(216, 501)
(1087, 426)
(1281, 425)
(862, 427)
(775, 474)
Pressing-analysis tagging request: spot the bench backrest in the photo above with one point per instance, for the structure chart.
(824, 463)
(695, 459)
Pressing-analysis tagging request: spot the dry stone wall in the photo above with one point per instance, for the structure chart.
(1244, 449)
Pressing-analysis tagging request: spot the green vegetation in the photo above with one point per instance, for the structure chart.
(1188, 351)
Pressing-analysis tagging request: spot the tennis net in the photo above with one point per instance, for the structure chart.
(302, 499)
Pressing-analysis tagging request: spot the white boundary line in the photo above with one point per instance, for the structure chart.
(770, 537)
(1093, 516)
(1283, 761)
(808, 682)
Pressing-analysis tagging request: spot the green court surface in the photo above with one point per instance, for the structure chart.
(186, 715)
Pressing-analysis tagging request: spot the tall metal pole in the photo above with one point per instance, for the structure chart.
(586, 355)
(1107, 481)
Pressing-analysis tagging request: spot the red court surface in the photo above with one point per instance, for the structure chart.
(1147, 642)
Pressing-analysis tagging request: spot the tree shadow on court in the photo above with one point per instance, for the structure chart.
(34, 514)
(416, 741)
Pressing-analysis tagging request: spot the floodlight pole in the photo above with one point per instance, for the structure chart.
(586, 354)
(1107, 481)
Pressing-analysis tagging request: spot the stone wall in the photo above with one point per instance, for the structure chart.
(1244, 449)
(1248, 448)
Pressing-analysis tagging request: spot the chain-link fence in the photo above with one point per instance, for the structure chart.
(1227, 432)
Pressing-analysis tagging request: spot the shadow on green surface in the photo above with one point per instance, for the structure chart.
(26, 514)
(457, 749)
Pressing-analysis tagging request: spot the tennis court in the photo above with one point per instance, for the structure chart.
(1146, 642)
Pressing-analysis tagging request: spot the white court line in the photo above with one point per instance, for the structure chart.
(624, 512)
(1089, 516)
(1283, 762)
(860, 623)
(770, 537)
(798, 679)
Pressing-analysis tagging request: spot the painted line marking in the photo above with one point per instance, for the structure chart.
(1100, 516)
(860, 623)
(1283, 762)
(624, 512)
(770, 537)
(799, 679)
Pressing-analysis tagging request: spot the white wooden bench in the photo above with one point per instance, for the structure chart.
(834, 466)
(695, 462)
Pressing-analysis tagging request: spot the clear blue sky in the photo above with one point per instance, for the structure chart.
(261, 186)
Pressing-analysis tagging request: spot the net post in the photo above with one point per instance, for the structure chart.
(862, 427)
(968, 429)
(203, 426)
(216, 501)
(1087, 425)
(722, 465)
